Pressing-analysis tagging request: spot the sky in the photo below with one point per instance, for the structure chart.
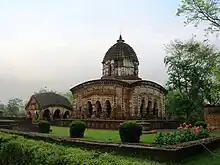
(61, 43)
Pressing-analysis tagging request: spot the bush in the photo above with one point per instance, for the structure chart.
(44, 127)
(77, 129)
(185, 133)
(130, 131)
(17, 150)
(201, 123)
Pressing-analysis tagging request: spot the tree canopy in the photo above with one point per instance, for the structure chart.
(201, 11)
(14, 107)
(191, 67)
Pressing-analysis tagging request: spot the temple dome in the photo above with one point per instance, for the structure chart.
(119, 51)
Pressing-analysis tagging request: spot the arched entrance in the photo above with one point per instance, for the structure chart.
(149, 107)
(142, 108)
(109, 70)
(56, 114)
(98, 109)
(108, 108)
(155, 109)
(89, 109)
(29, 115)
(37, 115)
(66, 115)
(46, 115)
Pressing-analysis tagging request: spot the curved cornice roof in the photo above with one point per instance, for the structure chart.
(125, 83)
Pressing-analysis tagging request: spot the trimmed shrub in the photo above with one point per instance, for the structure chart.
(44, 126)
(77, 129)
(130, 132)
(17, 150)
(201, 123)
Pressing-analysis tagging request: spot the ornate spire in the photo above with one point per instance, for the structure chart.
(120, 40)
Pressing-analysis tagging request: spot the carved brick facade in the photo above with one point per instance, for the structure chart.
(127, 100)
(212, 115)
(120, 94)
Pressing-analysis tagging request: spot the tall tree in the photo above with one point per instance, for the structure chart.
(200, 11)
(190, 70)
(13, 107)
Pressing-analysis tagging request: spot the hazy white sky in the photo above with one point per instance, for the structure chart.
(60, 43)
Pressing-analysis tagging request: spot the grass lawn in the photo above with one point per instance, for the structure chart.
(113, 135)
(106, 135)
(100, 135)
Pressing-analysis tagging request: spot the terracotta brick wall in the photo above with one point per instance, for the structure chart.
(212, 115)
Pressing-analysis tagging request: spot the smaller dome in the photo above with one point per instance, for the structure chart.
(120, 50)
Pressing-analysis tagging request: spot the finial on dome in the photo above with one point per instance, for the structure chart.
(120, 40)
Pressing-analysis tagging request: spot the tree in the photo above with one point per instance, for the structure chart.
(199, 11)
(13, 107)
(68, 95)
(176, 105)
(190, 71)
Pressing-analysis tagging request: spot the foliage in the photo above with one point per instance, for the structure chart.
(192, 82)
(185, 133)
(201, 11)
(68, 95)
(14, 107)
(130, 131)
(77, 129)
(44, 126)
(201, 123)
(176, 105)
(16, 150)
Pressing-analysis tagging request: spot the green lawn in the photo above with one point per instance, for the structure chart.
(99, 135)
(113, 135)
(106, 135)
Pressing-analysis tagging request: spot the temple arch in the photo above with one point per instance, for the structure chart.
(56, 114)
(142, 108)
(89, 109)
(98, 109)
(108, 108)
(29, 114)
(155, 108)
(46, 115)
(36, 115)
(66, 114)
(109, 70)
(149, 107)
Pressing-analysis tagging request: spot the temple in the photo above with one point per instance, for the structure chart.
(120, 94)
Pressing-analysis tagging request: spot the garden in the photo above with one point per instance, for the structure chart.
(15, 146)
(70, 144)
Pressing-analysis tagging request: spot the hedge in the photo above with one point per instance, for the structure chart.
(77, 129)
(16, 150)
(44, 126)
(130, 132)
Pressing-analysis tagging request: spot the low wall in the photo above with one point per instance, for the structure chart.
(114, 124)
(92, 123)
(169, 153)
(22, 124)
(12, 118)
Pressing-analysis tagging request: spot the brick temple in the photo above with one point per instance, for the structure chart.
(120, 94)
